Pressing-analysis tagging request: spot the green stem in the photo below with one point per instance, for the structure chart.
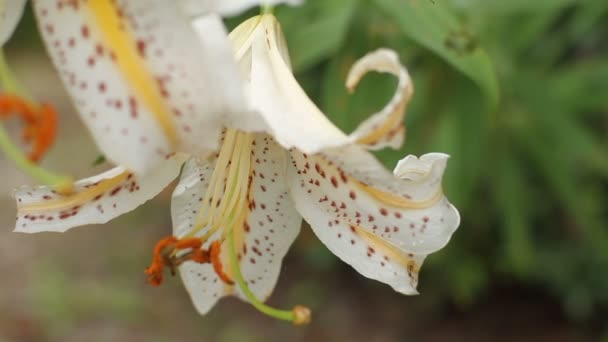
(33, 170)
(8, 82)
(285, 315)
(267, 9)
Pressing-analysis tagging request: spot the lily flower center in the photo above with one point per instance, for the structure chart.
(224, 207)
(221, 210)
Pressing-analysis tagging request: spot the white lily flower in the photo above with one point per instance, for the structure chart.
(236, 213)
(138, 73)
(380, 223)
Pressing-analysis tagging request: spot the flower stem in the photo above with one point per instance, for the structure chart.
(285, 315)
(267, 9)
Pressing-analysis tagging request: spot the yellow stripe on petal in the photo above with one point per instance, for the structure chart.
(392, 124)
(87, 195)
(388, 250)
(399, 201)
(114, 31)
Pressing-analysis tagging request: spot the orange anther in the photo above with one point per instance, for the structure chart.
(165, 255)
(46, 132)
(215, 253)
(159, 260)
(194, 243)
(40, 122)
(200, 256)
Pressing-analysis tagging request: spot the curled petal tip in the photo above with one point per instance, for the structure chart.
(412, 167)
(383, 60)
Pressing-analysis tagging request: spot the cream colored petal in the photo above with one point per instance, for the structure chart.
(228, 7)
(371, 256)
(115, 110)
(201, 281)
(290, 116)
(141, 78)
(96, 200)
(196, 67)
(408, 211)
(271, 224)
(11, 12)
(385, 128)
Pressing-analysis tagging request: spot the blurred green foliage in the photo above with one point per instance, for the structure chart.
(516, 92)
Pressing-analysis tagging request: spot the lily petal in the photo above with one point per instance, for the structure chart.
(228, 7)
(385, 128)
(290, 116)
(202, 283)
(139, 75)
(11, 12)
(371, 256)
(272, 223)
(96, 200)
(269, 228)
(195, 65)
(350, 186)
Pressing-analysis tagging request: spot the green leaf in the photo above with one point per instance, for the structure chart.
(432, 26)
(511, 6)
(316, 30)
(514, 209)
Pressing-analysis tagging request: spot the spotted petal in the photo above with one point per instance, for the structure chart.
(139, 75)
(385, 128)
(201, 281)
(408, 210)
(10, 14)
(96, 200)
(372, 257)
(380, 224)
(227, 7)
(270, 226)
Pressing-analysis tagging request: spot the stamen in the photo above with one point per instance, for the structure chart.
(9, 83)
(223, 206)
(217, 262)
(40, 122)
(155, 271)
(165, 255)
(40, 129)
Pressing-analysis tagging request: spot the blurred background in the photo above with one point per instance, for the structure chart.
(515, 91)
